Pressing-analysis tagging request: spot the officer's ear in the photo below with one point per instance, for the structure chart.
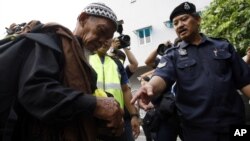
(197, 18)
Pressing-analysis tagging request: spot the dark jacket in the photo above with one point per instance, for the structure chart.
(45, 108)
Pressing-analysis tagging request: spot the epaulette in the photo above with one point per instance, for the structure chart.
(169, 49)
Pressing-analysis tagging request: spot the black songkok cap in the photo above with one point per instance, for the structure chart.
(184, 8)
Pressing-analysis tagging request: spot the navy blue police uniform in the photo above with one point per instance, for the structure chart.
(207, 78)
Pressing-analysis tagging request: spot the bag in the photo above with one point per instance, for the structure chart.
(167, 106)
(152, 120)
(13, 51)
(163, 111)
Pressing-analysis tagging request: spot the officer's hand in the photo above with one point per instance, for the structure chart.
(135, 123)
(145, 107)
(109, 110)
(143, 95)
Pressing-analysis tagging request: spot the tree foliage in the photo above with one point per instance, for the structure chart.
(229, 19)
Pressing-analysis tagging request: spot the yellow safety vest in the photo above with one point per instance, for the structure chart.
(108, 76)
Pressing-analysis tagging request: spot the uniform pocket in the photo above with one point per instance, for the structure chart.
(186, 63)
(187, 69)
(222, 62)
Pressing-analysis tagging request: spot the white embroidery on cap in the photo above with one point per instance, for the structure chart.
(186, 6)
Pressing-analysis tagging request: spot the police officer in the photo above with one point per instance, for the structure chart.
(207, 72)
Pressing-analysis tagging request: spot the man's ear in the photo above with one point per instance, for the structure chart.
(198, 19)
(82, 17)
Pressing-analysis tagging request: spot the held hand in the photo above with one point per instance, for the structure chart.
(135, 123)
(109, 110)
(143, 95)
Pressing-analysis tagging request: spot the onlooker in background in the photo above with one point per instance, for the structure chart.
(246, 58)
(55, 85)
(206, 72)
(246, 100)
(115, 51)
(113, 79)
(133, 63)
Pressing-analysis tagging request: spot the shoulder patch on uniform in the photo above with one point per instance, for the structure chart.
(169, 49)
(162, 64)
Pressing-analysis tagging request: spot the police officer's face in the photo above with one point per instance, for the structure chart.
(95, 31)
(186, 26)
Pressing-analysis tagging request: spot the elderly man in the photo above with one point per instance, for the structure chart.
(55, 86)
(207, 72)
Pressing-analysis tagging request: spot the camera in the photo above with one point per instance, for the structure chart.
(163, 47)
(14, 28)
(123, 39)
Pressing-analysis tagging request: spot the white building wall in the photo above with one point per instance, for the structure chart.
(144, 13)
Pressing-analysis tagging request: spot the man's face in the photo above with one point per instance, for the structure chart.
(96, 31)
(186, 26)
(248, 51)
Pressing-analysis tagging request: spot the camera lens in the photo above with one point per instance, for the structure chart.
(161, 49)
(125, 38)
(124, 41)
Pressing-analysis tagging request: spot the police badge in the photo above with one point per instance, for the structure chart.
(182, 51)
(186, 6)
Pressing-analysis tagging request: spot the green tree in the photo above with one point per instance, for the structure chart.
(228, 19)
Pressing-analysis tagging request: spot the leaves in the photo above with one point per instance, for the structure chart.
(228, 19)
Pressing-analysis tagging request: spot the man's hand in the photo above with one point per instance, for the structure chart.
(144, 106)
(143, 95)
(135, 123)
(109, 110)
(115, 43)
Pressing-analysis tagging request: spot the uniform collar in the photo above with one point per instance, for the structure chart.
(184, 44)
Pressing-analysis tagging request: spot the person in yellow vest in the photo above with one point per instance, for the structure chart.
(122, 54)
(113, 79)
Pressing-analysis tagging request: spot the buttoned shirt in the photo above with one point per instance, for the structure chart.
(207, 78)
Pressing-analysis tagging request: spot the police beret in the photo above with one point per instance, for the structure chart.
(183, 8)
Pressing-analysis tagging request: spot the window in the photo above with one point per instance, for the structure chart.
(144, 35)
(168, 24)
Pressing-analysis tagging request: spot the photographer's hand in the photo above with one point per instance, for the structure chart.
(115, 43)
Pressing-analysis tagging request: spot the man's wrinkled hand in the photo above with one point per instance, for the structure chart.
(109, 110)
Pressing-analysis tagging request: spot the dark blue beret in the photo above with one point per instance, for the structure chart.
(183, 8)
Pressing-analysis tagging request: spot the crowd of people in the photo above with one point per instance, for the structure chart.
(76, 87)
